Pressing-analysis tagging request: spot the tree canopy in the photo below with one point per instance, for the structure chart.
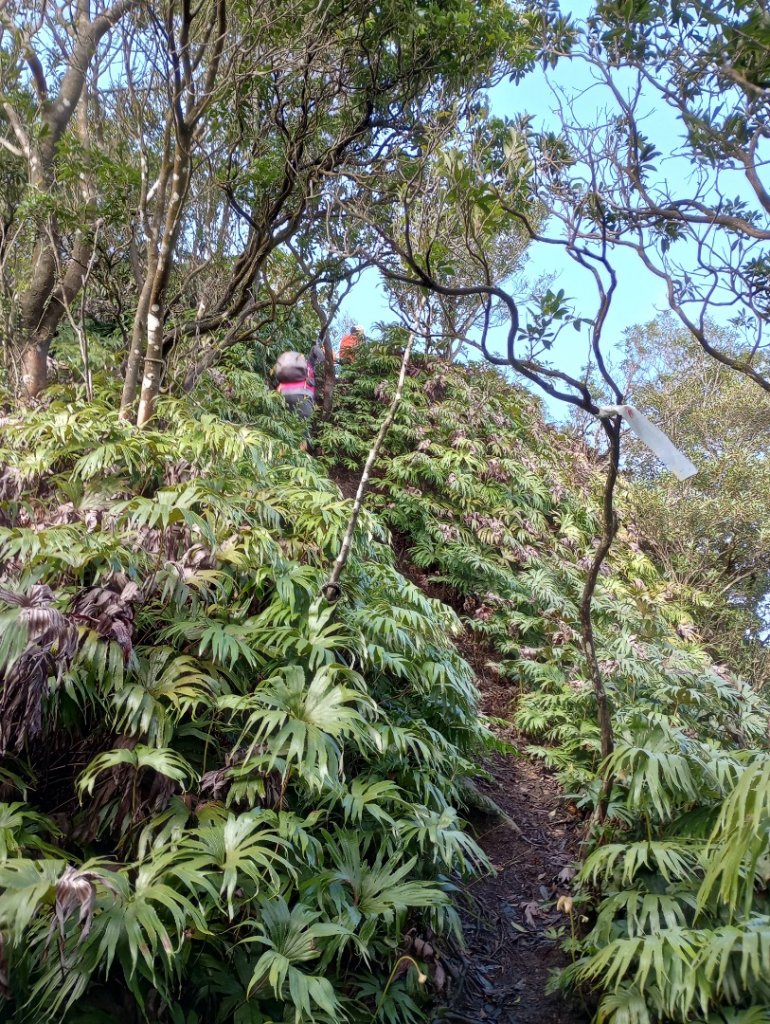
(711, 533)
(171, 154)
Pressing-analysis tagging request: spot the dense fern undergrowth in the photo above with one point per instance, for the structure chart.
(672, 917)
(223, 801)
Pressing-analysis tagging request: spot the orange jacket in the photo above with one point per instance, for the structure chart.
(348, 347)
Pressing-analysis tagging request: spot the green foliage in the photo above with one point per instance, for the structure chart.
(224, 801)
(714, 529)
(498, 512)
(227, 802)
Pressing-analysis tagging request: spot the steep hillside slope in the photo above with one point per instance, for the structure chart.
(224, 801)
(500, 513)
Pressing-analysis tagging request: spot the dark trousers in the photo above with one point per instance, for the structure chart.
(300, 403)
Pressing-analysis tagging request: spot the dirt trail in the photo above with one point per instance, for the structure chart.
(501, 976)
(509, 917)
(511, 920)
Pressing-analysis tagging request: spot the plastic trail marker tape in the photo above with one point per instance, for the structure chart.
(654, 438)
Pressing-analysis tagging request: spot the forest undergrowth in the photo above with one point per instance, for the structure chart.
(225, 800)
(669, 917)
(511, 911)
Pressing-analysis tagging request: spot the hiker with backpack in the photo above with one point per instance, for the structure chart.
(296, 380)
(350, 343)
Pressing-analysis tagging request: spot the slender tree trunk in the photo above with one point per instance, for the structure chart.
(185, 125)
(145, 279)
(153, 360)
(609, 530)
(329, 376)
(325, 317)
(331, 589)
(138, 339)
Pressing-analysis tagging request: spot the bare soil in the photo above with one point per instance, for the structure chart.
(511, 920)
(512, 926)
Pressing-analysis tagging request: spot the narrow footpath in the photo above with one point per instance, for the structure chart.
(512, 926)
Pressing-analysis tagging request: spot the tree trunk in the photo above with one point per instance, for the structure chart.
(609, 530)
(331, 588)
(185, 126)
(138, 338)
(329, 377)
(34, 367)
(33, 301)
(42, 307)
(153, 360)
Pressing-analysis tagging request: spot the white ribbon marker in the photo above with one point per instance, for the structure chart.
(654, 438)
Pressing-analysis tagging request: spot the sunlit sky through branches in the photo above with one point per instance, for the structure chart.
(639, 297)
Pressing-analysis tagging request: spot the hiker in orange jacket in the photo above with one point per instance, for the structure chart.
(349, 343)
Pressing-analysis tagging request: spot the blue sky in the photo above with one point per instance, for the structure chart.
(640, 295)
